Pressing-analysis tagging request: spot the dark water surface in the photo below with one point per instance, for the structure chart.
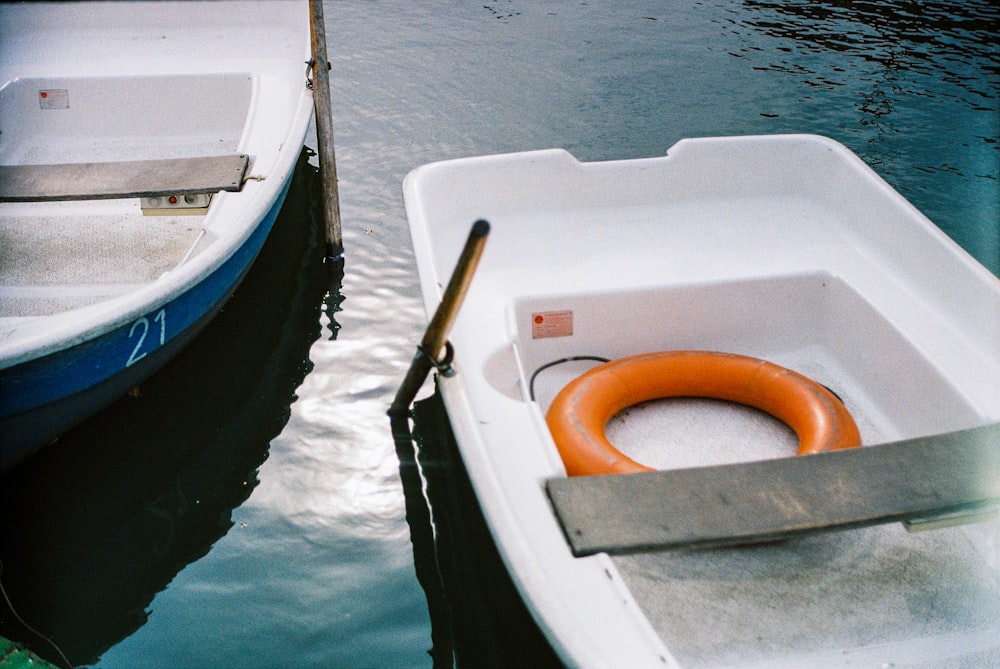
(251, 508)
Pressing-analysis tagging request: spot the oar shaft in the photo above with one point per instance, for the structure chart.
(436, 335)
(454, 294)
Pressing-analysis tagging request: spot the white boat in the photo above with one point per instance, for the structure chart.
(787, 249)
(145, 151)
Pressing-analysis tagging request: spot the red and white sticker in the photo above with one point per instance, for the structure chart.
(53, 98)
(551, 324)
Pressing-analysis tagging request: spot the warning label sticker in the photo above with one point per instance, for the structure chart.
(551, 324)
(54, 98)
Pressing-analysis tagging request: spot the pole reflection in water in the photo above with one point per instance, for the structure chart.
(99, 522)
(477, 616)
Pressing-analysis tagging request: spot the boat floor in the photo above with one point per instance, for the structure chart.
(822, 593)
(826, 592)
(57, 256)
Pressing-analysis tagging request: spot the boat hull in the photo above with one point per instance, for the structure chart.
(44, 397)
(783, 248)
(139, 184)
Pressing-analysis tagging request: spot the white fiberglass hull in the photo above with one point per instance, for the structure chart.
(786, 248)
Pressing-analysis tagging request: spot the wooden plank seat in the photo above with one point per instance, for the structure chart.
(919, 480)
(136, 178)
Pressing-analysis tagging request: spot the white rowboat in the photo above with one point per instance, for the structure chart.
(784, 248)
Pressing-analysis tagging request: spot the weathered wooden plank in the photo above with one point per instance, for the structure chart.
(914, 479)
(136, 178)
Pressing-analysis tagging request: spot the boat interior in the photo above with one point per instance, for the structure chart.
(934, 591)
(813, 323)
(89, 166)
(823, 591)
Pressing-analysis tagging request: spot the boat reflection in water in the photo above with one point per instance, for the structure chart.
(477, 616)
(96, 524)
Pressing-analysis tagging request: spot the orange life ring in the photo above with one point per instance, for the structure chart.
(581, 410)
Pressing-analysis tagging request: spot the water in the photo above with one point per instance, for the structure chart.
(251, 508)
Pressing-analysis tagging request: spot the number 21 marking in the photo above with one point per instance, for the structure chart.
(141, 327)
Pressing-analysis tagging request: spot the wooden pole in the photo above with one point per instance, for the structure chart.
(436, 335)
(324, 131)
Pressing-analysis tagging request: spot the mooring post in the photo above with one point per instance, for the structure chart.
(324, 132)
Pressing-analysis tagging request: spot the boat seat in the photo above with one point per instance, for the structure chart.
(925, 482)
(127, 179)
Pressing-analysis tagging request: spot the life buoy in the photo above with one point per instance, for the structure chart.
(581, 410)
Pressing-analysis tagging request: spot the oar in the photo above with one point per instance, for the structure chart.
(436, 336)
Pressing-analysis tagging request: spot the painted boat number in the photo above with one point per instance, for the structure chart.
(141, 328)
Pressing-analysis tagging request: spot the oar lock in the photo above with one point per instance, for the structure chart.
(443, 366)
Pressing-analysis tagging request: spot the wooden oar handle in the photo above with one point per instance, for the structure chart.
(436, 335)
(444, 317)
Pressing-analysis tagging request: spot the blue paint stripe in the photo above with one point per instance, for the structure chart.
(61, 374)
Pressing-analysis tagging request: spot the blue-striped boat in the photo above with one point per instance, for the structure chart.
(145, 151)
